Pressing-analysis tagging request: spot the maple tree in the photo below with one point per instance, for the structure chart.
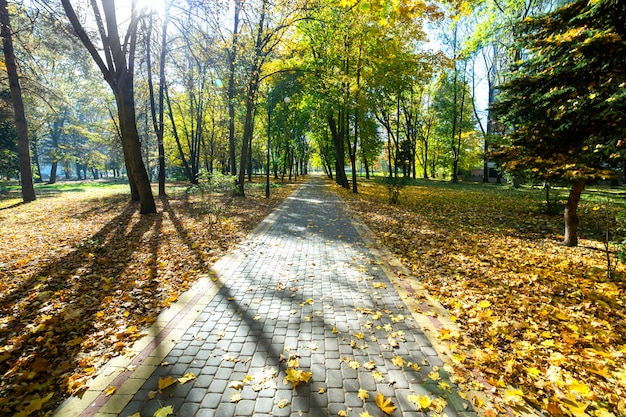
(564, 104)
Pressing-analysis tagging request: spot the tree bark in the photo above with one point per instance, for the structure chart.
(570, 216)
(23, 148)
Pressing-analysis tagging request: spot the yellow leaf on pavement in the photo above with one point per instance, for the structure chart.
(164, 411)
(109, 391)
(385, 404)
(166, 382)
(363, 394)
(187, 377)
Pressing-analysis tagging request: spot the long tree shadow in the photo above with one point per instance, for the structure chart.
(49, 321)
(276, 321)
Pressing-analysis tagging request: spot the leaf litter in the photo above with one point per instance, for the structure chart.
(540, 323)
(82, 274)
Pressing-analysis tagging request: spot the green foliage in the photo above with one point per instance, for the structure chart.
(565, 104)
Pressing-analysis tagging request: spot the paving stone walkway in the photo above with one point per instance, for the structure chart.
(302, 294)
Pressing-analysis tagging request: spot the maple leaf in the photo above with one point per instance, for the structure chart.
(369, 365)
(164, 411)
(296, 377)
(385, 404)
(189, 376)
(364, 414)
(423, 402)
(363, 394)
(165, 382)
(398, 361)
(378, 376)
(109, 391)
(342, 413)
(235, 397)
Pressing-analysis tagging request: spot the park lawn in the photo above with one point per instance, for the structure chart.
(540, 323)
(82, 275)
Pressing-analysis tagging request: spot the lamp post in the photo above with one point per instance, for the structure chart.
(267, 171)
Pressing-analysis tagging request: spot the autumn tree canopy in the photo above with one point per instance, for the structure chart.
(564, 106)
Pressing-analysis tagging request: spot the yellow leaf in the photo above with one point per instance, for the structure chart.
(379, 285)
(342, 413)
(165, 382)
(385, 404)
(533, 372)
(109, 391)
(164, 411)
(513, 396)
(365, 414)
(321, 390)
(369, 365)
(283, 403)
(444, 386)
(354, 364)
(335, 331)
(297, 376)
(398, 361)
(137, 414)
(484, 304)
(363, 394)
(235, 398)
(579, 387)
(187, 377)
(359, 335)
(434, 375)
(378, 376)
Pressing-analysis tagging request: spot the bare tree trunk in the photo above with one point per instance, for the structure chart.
(23, 149)
(570, 215)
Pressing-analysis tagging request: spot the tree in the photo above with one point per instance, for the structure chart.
(23, 146)
(117, 67)
(565, 103)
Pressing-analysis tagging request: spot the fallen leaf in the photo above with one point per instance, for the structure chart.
(165, 382)
(385, 404)
(363, 394)
(189, 376)
(164, 411)
(296, 377)
(109, 391)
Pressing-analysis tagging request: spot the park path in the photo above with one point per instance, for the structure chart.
(303, 293)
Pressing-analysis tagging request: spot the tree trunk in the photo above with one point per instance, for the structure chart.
(232, 57)
(132, 145)
(570, 215)
(340, 153)
(23, 149)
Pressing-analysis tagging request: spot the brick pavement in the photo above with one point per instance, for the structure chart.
(306, 292)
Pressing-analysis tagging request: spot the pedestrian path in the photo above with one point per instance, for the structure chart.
(302, 320)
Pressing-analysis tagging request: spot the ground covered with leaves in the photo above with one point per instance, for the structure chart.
(82, 274)
(541, 327)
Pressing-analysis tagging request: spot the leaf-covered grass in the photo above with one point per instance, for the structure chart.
(541, 322)
(82, 274)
